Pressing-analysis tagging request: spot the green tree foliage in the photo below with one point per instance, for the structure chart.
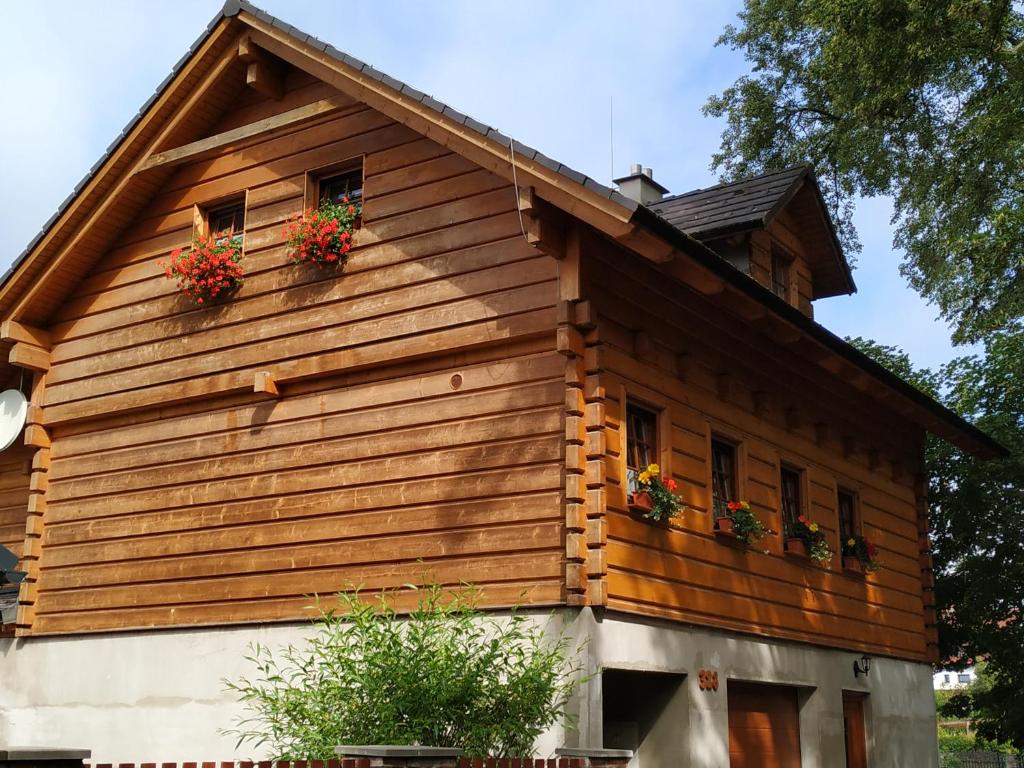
(446, 675)
(969, 703)
(976, 512)
(922, 100)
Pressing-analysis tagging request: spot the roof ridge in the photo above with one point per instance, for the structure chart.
(745, 180)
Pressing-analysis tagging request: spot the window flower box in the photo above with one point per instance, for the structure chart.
(323, 236)
(860, 555)
(210, 269)
(852, 565)
(796, 546)
(741, 523)
(806, 539)
(655, 496)
(642, 502)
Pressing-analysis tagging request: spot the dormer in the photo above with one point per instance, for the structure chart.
(774, 228)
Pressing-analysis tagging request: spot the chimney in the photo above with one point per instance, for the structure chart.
(641, 186)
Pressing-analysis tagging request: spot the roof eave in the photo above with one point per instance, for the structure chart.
(973, 439)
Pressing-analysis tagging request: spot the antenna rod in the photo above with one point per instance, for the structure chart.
(611, 131)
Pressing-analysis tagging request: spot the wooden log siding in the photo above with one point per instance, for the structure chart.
(14, 490)
(420, 431)
(685, 571)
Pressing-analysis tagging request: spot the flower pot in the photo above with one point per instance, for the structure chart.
(642, 502)
(796, 546)
(852, 564)
(724, 524)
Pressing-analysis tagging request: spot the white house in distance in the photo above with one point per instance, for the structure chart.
(952, 679)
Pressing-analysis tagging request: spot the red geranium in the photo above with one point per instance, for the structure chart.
(210, 268)
(322, 236)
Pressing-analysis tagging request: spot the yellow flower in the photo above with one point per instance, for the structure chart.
(813, 527)
(850, 542)
(653, 469)
(644, 477)
(744, 505)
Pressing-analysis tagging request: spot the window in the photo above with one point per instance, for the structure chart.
(963, 677)
(226, 222)
(945, 678)
(641, 441)
(723, 476)
(336, 188)
(780, 273)
(846, 504)
(789, 494)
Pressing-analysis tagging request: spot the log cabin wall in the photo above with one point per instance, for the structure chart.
(705, 372)
(15, 471)
(420, 427)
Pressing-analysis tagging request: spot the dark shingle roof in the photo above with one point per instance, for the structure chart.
(733, 206)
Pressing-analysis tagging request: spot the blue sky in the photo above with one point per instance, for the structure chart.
(73, 73)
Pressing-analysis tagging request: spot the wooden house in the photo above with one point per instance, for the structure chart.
(471, 396)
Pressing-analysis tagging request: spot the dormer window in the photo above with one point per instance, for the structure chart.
(781, 263)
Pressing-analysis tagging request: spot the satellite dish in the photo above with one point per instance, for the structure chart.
(13, 410)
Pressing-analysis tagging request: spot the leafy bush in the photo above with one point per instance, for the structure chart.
(447, 675)
(955, 741)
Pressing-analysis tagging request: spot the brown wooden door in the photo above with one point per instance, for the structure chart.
(764, 726)
(853, 727)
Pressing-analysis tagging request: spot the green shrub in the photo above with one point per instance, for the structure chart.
(447, 675)
(955, 741)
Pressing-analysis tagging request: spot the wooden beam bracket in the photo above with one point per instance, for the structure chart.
(264, 384)
(11, 330)
(28, 356)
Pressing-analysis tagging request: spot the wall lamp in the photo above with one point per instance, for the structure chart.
(862, 666)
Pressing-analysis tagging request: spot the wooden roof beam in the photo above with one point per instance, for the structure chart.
(11, 330)
(196, 149)
(264, 73)
(28, 356)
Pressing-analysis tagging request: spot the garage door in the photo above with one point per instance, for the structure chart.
(764, 726)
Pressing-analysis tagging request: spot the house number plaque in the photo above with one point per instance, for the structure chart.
(708, 680)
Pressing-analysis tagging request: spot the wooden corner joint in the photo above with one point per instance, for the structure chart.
(36, 436)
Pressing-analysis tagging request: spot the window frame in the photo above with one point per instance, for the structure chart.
(800, 474)
(649, 401)
(654, 446)
(780, 256)
(736, 444)
(855, 514)
(202, 214)
(315, 176)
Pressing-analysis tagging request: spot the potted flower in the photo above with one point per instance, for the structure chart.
(212, 267)
(860, 555)
(741, 522)
(323, 236)
(655, 495)
(806, 538)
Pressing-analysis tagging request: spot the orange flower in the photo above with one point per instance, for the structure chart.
(670, 484)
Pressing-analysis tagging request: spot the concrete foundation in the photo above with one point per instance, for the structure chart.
(159, 697)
